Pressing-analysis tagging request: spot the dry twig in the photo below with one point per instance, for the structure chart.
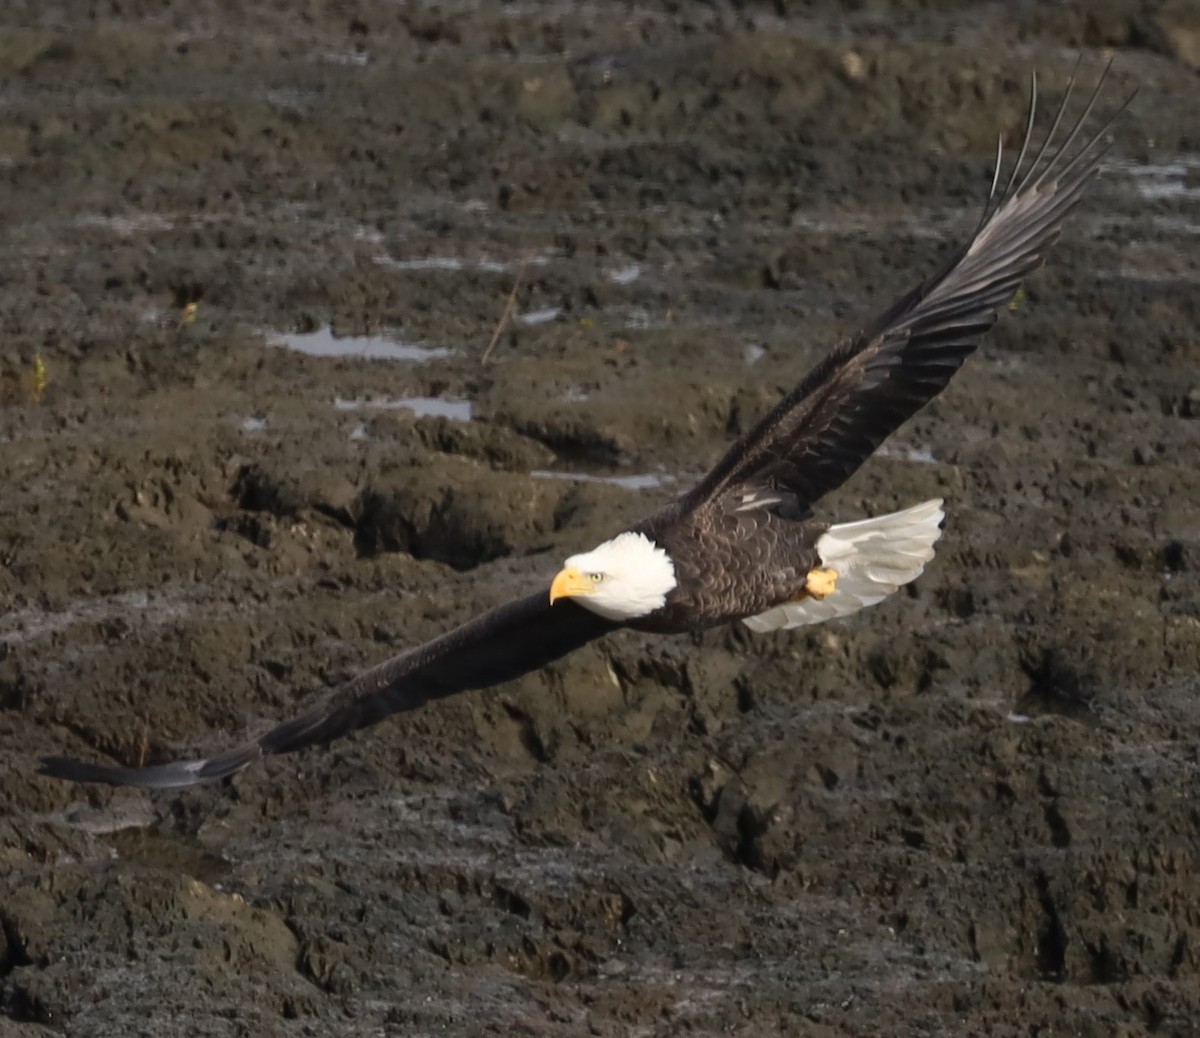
(512, 298)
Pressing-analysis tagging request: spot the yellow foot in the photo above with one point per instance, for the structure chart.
(820, 582)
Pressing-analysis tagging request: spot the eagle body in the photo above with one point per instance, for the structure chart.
(729, 565)
(743, 544)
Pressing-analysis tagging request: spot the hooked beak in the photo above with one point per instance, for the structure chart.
(568, 583)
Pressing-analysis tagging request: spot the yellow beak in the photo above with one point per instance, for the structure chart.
(570, 582)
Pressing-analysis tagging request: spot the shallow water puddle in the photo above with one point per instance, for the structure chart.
(918, 455)
(448, 263)
(123, 812)
(352, 58)
(128, 225)
(323, 343)
(1176, 224)
(159, 848)
(625, 275)
(160, 606)
(543, 316)
(1165, 180)
(455, 264)
(422, 406)
(645, 481)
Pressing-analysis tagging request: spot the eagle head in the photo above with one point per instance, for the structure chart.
(623, 579)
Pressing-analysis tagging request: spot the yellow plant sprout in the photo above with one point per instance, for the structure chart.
(39, 379)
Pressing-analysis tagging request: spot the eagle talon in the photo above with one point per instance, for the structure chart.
(820, 582)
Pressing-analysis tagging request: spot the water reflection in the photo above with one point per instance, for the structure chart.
(1163, 180)
(540, 316)
(644, 481)
(453, 264)
(919, 455)
(323, 343)
(421, 406)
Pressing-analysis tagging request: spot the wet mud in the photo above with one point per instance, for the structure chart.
(251, 258)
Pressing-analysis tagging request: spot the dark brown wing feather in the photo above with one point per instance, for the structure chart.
(503, 644)
(824, 429)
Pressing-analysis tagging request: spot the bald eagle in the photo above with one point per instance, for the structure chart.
(743, 544)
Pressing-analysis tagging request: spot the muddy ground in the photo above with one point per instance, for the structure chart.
(971, 810)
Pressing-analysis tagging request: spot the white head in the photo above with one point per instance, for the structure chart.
(622, 579)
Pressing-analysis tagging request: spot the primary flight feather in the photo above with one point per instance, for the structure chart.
(742, 544)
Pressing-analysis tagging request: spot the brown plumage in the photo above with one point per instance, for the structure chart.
(742, 540)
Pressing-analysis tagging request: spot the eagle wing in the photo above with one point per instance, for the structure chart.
(498, 646)
(824, 429)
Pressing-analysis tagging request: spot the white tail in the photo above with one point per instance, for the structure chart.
(872, 558)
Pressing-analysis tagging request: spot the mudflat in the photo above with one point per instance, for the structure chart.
(251, 259)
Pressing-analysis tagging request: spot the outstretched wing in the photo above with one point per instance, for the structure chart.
(505, 643)
(825, 428)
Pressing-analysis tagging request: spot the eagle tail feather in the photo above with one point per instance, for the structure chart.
(872, 558)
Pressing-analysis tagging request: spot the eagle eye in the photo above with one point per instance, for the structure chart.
(596, 578)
